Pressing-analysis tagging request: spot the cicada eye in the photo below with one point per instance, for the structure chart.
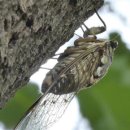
(114, 44)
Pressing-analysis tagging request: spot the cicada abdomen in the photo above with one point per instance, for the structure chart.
(80, 66)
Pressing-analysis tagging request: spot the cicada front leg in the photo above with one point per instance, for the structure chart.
(94, 30)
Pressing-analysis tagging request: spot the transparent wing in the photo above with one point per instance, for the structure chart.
(22, 125)
(49, 109)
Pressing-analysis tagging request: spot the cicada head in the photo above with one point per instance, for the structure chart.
(106, 55)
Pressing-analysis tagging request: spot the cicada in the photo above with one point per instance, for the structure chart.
(79, 67)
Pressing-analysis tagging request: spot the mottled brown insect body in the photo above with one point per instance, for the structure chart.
(80, 66)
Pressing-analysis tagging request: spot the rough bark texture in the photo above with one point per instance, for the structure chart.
(30, 32)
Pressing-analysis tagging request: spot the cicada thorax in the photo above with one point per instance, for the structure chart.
(80, 66)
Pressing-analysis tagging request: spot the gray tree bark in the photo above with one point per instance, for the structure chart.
(30, 32)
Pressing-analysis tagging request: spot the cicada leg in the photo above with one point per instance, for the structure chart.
(53, 58)
(94, 30)
(91, 32)
(58, 54)
(78, 35)
(45, 68)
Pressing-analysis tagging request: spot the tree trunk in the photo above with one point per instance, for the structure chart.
(30, 32)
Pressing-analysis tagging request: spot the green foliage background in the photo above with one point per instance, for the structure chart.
(106, 105)
(17, 106)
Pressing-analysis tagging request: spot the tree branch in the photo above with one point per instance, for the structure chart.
(30, 32)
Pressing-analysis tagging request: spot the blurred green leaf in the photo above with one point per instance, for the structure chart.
(107, 104)
(18, 105)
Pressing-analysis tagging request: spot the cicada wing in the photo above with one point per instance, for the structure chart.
(23, 123)
(25, 119)
(48, 110)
